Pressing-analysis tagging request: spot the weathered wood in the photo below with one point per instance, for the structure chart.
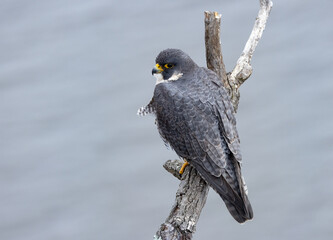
(193, 190)
(190, 199)
(243, 68)
(214, 57)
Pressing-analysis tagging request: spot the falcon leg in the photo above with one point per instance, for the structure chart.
(183, 167)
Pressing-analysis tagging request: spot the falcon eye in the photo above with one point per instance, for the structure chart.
(169, 65)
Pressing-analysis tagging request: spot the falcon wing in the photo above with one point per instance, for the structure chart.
(142, 111)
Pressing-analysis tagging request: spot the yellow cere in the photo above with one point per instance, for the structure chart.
(159, 67)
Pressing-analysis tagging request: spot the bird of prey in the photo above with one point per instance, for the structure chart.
(195, 117)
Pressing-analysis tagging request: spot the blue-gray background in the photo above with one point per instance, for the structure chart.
(77, 163)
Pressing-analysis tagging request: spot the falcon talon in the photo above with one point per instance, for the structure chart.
(181, 171)
(195, 116)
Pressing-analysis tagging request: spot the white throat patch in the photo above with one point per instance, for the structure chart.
(174, 77)
(159, 78)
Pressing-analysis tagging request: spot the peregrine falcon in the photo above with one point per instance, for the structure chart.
(195, 117)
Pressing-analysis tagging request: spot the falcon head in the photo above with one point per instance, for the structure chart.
(172, 64)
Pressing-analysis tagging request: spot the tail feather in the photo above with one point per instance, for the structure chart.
(240, 214)
(236, 202)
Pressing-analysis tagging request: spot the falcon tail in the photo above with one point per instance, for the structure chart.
(237, 202)
(241, 213)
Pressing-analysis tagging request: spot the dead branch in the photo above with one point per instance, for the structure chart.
(243, 68)
(190, 199)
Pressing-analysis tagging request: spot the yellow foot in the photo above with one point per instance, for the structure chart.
(183, 167)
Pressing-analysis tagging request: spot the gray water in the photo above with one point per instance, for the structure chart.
(77, 163)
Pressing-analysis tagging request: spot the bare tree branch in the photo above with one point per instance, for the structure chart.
(243, 68)
(214, 56)
(190, 199)
(193, 190)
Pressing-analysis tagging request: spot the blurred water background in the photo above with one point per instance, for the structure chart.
(77, 163)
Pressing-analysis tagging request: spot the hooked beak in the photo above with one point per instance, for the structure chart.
(157, 69)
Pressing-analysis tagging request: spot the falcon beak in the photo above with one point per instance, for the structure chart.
(157, 69)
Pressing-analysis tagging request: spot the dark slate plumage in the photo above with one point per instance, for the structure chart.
(195, 117)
